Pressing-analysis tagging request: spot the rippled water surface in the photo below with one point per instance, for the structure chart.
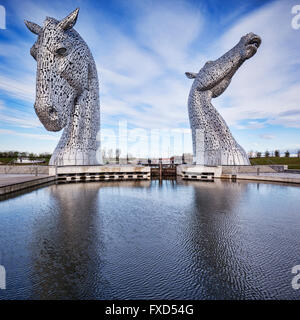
(146, 240)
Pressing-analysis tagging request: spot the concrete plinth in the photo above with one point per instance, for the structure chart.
(199, 172)
(109, 172)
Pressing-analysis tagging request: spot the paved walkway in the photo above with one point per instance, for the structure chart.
(275, 174)
(10, 179)
(15, 182)
(272, 177)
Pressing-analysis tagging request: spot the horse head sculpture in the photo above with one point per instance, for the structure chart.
(213, 143)
(67, 90)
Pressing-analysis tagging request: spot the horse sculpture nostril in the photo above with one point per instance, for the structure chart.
(52, 110)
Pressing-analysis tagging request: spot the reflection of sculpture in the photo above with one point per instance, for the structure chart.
(69, 244)
(67, 90)
(213, 143)
(215, 233)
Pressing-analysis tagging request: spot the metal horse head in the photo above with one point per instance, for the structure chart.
(216, 75)
(66, 88)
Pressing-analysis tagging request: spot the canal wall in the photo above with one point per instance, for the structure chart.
(15, 178)
(229, 170)
(253, 169)
(118, 171)
(108, 172)
(269, 177)
(17, 184)
(257, 173)
(27, 169)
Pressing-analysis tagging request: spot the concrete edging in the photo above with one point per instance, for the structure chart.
(270, 179)
(10, 188)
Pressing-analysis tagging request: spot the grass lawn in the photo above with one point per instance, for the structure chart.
(293, 163)
(6, 160)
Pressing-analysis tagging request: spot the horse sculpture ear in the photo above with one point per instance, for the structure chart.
(191, 75)
(33, 27)
(69, 21)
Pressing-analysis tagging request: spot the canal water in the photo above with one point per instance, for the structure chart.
(151, 240)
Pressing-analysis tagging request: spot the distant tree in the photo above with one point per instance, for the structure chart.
(267, 154)
(109, 155)
(32, 156)
(287, 154)
(258, 154)
(104, 154)
(277, 153)
(44, 155)
(118, 153)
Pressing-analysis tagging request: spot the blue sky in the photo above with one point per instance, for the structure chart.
(142, 49)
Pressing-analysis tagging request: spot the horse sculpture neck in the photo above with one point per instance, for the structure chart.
(78, 144)
(213, 143)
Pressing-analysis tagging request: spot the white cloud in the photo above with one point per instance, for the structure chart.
(252, 125)
(29, 135)
(168, 29)
(17, 118)
(267, 136)
(21, 88)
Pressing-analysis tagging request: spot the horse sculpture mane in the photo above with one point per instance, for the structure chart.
(67, 90)
(213, 143)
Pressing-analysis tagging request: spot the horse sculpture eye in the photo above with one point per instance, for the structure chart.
(61, 51)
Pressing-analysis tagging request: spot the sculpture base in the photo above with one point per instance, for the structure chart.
(201, 172)
(198, 172)
(107, 172)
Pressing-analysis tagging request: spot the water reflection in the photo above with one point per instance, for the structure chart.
(63, 249)
(215, 234)
(151, 240)
(68, 246)
(235, 245)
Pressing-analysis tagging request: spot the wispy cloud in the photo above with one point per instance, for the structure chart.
(267, 136)
(28, 135)
(21, 89)
(168, 29)
(252, 125)
(18, 118)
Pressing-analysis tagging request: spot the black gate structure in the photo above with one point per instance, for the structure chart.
(163, 171)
